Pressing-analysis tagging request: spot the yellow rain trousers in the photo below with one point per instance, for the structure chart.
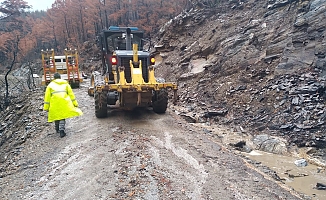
(60, 101)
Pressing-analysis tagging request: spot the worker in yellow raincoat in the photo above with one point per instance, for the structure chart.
(60, 102)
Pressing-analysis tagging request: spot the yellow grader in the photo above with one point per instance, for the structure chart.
(127, 80)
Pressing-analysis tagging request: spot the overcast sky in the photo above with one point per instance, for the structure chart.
(40, 4)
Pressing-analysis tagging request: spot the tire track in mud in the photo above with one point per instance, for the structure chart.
(134, 171)
(189, 164)
(76, 171)
(197, 179)
(142, 170)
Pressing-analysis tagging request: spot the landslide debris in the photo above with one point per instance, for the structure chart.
(256, 66)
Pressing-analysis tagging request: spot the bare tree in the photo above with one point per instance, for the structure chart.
(7, 99)
(31, 82)
(12, 8)
(10, 11)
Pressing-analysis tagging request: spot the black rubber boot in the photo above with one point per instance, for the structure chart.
(62, 133)
(57, 127)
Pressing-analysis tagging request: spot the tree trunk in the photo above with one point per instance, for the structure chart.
(55, 38)
(67, 28)
(101, 19)
(7, 100)
(82, 23)
(106, 20)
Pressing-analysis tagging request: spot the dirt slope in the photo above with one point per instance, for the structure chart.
(256, 66)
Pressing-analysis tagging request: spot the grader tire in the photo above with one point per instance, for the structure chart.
(160, 101)
(101, 106)
(90, 92)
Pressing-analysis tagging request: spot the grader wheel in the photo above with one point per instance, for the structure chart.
(90, 92)
(160, 101)
(101, 106)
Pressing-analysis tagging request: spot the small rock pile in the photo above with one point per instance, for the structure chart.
(291, 106)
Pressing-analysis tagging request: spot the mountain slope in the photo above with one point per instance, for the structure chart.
(257, 66)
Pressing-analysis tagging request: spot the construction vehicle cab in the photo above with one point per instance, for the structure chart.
(127, 74)
(66, 65)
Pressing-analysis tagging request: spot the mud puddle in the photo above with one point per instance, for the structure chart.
(301, 179)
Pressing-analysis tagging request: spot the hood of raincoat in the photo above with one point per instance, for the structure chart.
(60, 81)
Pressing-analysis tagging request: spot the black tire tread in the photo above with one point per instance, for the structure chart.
(160, 101)
(101, 107)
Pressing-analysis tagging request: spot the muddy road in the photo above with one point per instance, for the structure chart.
(133, 155)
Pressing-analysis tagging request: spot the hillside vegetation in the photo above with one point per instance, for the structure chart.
(68, 24)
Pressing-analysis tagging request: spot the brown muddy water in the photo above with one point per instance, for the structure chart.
(301, 179)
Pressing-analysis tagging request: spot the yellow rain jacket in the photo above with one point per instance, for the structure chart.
(60, 101)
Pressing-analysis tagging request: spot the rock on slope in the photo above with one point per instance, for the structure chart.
(258, 65)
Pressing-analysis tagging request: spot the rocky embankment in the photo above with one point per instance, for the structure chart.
(256, 66)
(19, 122)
